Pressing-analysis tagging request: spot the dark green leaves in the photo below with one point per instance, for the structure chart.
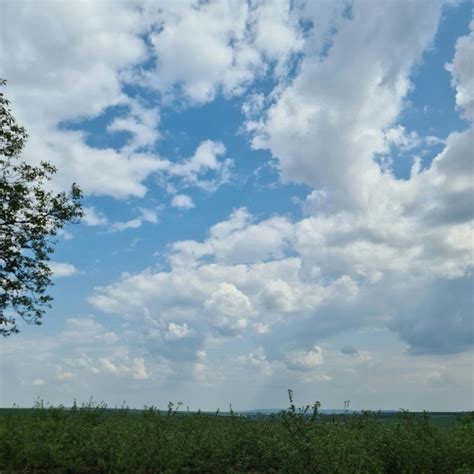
(30, 217)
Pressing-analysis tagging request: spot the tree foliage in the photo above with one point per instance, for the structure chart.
(30, 217)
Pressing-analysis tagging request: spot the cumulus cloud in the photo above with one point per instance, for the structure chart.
(206, 169)
(70, 368)
(93, 217)
(176, 331)
(305, 360)
(100, 171)
(141, 123)
(209, 292)
(146, 215)
(229, 307)
(256, 361)
(174, 337)
(134, 368)
(88, 331)
(339, 263)
(62, 269)
(182, 201)
(463, 77)
(326, 126)
(237, 240)
(326, 129)
(201, 49)
(219, 46)
(48, 86)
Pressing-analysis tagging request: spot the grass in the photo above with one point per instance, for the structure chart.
(93, 438)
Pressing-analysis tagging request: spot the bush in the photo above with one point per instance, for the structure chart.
(92, 438)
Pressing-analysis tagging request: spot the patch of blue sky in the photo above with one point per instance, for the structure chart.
(401, 159)
(254, 184)
(95, 128)
(431, 104)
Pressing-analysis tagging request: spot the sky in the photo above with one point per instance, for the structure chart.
(277, 194)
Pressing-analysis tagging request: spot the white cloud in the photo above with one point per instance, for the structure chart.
(149, 215)
(93, 217)
(220, 45)
(177, 331)
(87, 331)
(462, 71)
(256, 361)
(229, 307)
(99, 171)
(206, 159)
(277, 33)
(64, 376)
(326, 128)
(146, 215)
(345, 269)
(305, 360)
(223, 297)
(62, 269)
(131, 224)
(139, 370)
(141, 122)
(399, 137)
(327, 125)
(202, 48)
(237, 240)
(134, 368)
(47, 51)
(70, 369)
(207, 169)
(182, 201)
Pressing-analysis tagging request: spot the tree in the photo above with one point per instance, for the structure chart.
(30, 217)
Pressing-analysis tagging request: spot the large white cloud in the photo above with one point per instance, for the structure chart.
(325, 128)
(463, 74)
(229, 308)
(204, 48)
(391, 236)
(346, 273)
(63, 61)
(103, 171)
(69, 61)
(225, 286)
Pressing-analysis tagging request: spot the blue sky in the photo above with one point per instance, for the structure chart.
(277, 194)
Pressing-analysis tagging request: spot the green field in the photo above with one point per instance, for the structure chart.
(96, 439)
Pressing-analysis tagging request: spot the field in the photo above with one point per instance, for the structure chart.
(92, 438)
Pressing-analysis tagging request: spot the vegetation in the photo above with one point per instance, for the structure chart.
(93, 438)
(30, 217)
